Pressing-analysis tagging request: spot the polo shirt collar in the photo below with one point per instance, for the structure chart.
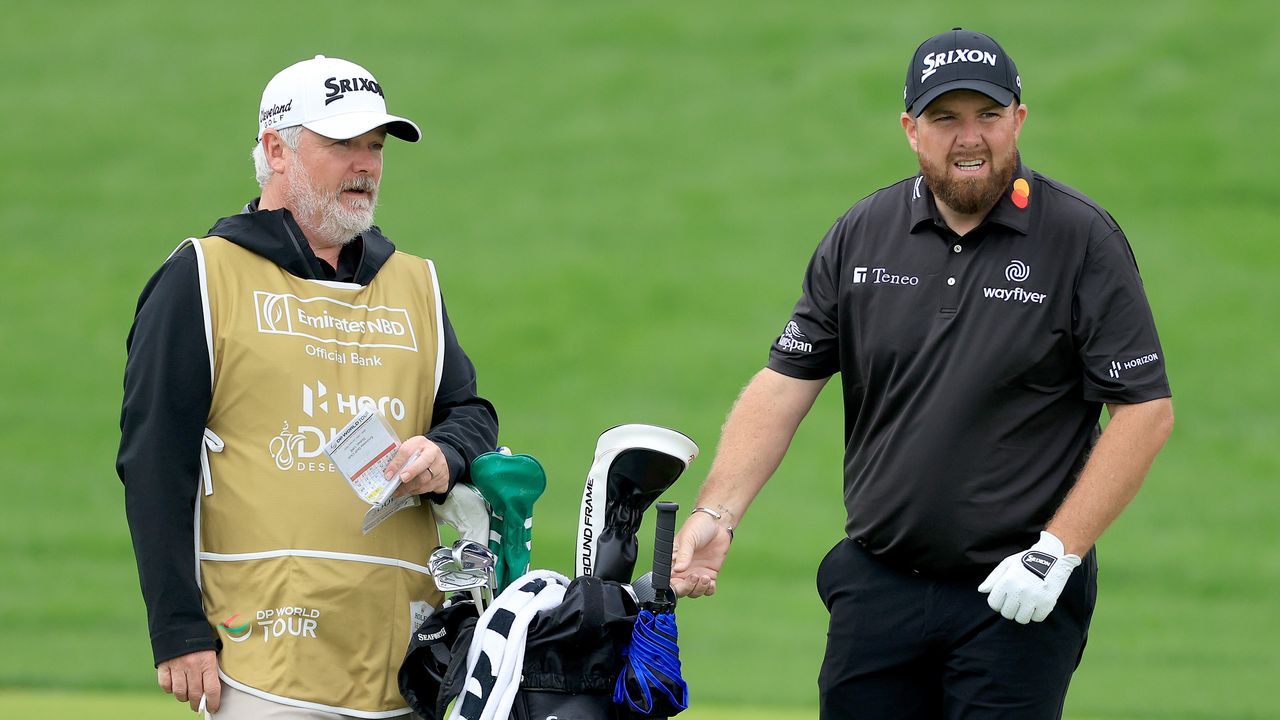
(924, 208)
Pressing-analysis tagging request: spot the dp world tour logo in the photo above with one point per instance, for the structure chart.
(236, 630)
(1017, 271)
(793, 339)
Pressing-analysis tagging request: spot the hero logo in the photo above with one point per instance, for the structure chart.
(297, 450)
(934, 61)
(332, 321)
(792, 339)
(317, 399)
(1016, 272)
(1118, 367)
(881, 276)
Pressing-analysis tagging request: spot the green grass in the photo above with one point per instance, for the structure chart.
(621, 198)
(133, 706)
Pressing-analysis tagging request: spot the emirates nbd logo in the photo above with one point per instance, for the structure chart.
(331, 321)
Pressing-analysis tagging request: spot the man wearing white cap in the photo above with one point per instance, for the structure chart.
(250, 348)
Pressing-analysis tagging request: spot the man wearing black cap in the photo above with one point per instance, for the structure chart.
(980, 314)
(251, 348)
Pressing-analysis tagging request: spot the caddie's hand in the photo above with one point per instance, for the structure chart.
(428, 473)
(1025, 586)
(697, 555)
(188, 677)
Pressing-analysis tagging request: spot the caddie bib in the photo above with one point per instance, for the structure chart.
(311, 612)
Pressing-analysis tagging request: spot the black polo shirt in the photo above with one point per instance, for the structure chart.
(974, 368)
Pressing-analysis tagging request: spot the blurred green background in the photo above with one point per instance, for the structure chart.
(621, 198)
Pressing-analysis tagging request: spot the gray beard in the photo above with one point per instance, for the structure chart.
(970, 197)
(324, 214)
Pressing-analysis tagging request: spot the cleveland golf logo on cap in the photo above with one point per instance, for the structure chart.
(339, 88)
(273, 113)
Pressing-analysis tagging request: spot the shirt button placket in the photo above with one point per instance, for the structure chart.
(953, 267)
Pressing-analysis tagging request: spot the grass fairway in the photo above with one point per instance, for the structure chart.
(621, 198)
(135, 706)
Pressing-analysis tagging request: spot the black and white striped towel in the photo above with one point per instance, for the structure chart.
(495, 659)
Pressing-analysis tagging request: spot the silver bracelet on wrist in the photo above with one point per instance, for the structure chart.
(718, 514)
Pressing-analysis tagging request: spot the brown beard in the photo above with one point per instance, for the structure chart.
(969, 196)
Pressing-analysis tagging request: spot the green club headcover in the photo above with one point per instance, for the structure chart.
(511, 484)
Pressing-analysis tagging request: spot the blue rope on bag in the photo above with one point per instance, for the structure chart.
(653, 667)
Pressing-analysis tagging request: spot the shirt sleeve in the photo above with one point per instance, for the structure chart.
(1114, 329)
(808, 347)
(167, 393)
(463, 424)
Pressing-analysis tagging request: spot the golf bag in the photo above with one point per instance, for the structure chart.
(572, 656)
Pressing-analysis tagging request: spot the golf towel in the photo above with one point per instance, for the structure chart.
(496, 656)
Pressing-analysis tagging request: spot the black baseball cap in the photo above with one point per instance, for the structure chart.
(960, 60)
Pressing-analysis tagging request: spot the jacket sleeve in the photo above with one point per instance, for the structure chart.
(167, 392)
(463, 424)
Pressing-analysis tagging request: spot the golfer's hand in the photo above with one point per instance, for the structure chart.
(1025, 586)
(697, 555)
(428, 473)
(188, 677)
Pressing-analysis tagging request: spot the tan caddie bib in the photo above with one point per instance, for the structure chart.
(311, 612)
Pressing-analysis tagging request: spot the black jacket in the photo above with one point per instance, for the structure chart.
(167, 396)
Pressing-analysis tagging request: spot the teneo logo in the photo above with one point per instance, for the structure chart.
(339, 88)
(881, 276)
(298, 622)
(792, 339)
(332, 321)
(934, 61)
(273, 113)
(1118, 367)
(1017, 271)
(317, 399)
(236, 630)
(1038, 562)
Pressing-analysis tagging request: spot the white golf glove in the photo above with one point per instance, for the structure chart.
(1025, 586)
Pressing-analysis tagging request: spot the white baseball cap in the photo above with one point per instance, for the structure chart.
(332, 97)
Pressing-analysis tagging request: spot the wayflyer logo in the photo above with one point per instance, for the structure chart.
(235, 629)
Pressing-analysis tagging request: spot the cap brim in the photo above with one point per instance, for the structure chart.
(991, 90)
(349, 125)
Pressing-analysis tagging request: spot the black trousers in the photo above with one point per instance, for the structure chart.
(904, 646)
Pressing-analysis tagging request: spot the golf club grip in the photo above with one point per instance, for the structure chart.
(663, 537)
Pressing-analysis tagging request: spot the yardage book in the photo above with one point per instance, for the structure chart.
(361, 452)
